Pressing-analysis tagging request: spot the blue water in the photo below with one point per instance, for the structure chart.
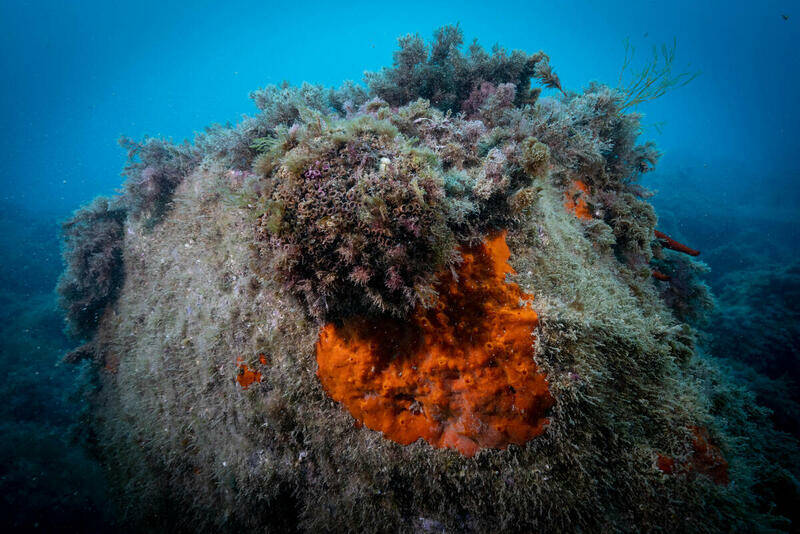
(77, 75)
(81, 73)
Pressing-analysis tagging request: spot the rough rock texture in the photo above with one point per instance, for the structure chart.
(209, 414)
(176, 427)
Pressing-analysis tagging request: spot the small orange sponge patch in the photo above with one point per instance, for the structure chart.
(460, 374)
(706, 459)
(575, 202)
(245, 376)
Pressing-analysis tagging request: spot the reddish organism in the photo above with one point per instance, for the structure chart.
(705, 458)
(460, 374)
(246, 376)
(658, 275)
(671, 244)
(575, 200)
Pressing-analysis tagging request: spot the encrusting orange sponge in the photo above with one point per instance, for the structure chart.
(706, 459)
(575, 202)
(460, 374)
(245, 376)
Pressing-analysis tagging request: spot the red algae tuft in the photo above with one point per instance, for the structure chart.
(460, 374)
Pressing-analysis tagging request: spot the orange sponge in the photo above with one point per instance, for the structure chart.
(708, 459)
(705, 458)
(245, 376)
(575, 202)
(460, 374)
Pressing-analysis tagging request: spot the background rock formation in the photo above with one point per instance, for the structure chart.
(227, 276)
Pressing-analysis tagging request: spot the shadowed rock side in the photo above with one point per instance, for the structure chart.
(226, 397)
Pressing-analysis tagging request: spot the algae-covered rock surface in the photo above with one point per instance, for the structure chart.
(436, 303)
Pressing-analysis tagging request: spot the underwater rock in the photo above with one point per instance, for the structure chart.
(342, 230)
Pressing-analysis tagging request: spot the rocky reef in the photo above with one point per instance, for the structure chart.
(437, 303)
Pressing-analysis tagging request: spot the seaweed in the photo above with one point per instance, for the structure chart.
(93, 255)
(155, 168)
(654, 80)
(442, 74)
